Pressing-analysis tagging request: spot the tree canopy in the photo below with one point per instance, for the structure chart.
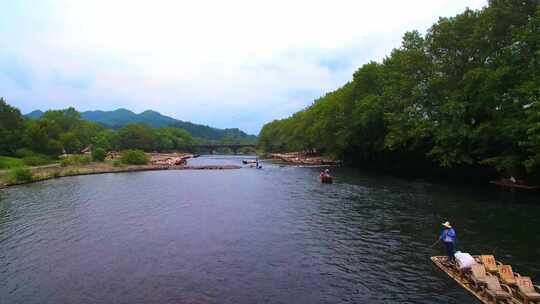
(465, 94)
(64, 131)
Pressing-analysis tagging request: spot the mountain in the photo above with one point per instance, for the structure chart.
(121, 117)
(34, 114)
(207, 132)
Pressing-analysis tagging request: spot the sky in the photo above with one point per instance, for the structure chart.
(227, 64)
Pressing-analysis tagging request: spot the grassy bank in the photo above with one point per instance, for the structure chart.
(57, 171)
(7, 162)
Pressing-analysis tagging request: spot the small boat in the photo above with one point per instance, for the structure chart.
(326, 179)
(464, 281)
(519, 184)
(249, 161)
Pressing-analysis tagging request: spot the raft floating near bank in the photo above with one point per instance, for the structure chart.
(490, 281)
(506, 183)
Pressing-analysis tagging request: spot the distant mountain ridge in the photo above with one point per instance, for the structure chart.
(34, 114)
(121, 117)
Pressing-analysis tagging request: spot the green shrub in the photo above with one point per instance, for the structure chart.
(75, 160)
(35, 160)
(64, 162)
(99, 154)
(7, 162)
(20, 174)
(24, 152)
(71, 172)
(84, 160)
(134, 157)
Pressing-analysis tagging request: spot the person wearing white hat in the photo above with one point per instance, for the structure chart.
(325, 173)
(448, 237)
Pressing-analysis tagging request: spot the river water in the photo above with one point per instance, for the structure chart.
(274, 235)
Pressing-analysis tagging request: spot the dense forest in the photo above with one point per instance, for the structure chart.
(461, 100)
(56, 132)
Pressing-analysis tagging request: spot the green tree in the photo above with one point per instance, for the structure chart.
(134, 157)
(70, 142)
(67, 119)
(54, 148)
(464, 96)
(136, 136)
(11, 128)
(98, 154)
(35, 137)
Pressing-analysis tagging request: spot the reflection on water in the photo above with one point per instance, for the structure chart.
(249, 236)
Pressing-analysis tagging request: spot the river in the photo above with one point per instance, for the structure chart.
(274, 235)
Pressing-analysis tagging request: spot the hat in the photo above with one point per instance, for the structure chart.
(447, 224)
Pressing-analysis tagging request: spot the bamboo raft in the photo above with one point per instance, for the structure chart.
(302, 159)
(518, 185)
(464, 282)
(326, 179)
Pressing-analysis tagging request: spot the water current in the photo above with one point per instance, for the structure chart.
(275, 235)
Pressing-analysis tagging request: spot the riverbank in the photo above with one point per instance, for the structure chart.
(57, 171)
(300, 158)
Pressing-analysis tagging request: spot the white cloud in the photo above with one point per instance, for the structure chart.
(205, 61)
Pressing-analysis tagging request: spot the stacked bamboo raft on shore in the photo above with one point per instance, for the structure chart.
(173, 159)
(491, 281)
(300, 158)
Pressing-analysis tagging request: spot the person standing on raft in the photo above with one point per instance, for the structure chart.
(325, 173)
(448, 237)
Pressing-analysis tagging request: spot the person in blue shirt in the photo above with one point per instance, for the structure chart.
(448, 237)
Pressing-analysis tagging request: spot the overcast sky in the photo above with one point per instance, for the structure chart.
(222, 63)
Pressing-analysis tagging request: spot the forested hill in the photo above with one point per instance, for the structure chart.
(121, 117)
(464, 97)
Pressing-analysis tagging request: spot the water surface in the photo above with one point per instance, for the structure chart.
(274, 235)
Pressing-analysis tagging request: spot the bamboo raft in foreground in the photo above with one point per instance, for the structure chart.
(454, 273)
